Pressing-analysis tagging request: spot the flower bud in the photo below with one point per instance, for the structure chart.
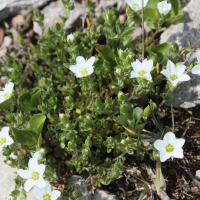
(175, 48)
(65, 2)
(121, 54)
(93, 29)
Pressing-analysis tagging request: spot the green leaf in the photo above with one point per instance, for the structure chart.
(160, 50)
(137, 114)
(46, 43)
(127, 31)
(7, 105)
(144, 192)
(151, 13)
(176, 4)
(175, 19)
(107, 54)
(23, 137)
(35, 98)
(121, 120)
(37, 123)
(40, 140)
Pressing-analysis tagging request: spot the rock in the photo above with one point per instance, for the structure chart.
(7, 41)
(15, 7)
(19, 20)
(3, 50)
(4, 80)
(77, 182)
(187, 95)
(197, 176)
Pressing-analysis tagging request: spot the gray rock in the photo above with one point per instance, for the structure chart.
(76, 182)
(197, 175)
(4, 80)
(188, 92)
(14, 7)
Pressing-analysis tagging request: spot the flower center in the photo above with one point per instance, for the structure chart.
(84, 72)
(2, 141)
(142, 73)
(6, 95)
(46, 197)
(35, 176)
(169, 148)
(173, 77)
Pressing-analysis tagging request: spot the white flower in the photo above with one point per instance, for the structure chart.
(142, 70)
(83, 67)
(5, 139)
(9, 198)
(196, 68)
(175, 74)
(7, 92)
(33, 175)
(61, 115)
(70, 37)
(38, 155)
(164, 7)
(169, 147)
(136, 4)
(46, 193)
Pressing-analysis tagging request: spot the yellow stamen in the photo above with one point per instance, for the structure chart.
(169, 148)
(84, 72)
(2, 141)
(173, 77)
(142, 73)
(35, 176)
(46, 197)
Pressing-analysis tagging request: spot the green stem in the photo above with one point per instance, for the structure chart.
(172, 110)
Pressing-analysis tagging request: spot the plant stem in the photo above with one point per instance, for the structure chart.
(172, 110)
(143, 30)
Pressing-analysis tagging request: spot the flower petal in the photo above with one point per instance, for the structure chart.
(170, 137)
(148, 64)
(1, 147)
(41, 169)
(80, 61)
(2, 99)
(134, 74)
(9, 141)
(165, 73)
(37, 193)
(180, 69)
(164, 156)
(198, 55)
(5, 131)
(55, 194)
(148, 76)
(196, 69)
(74, 68)
(171, 67)
(174, 83)
(25, 174)
(41, 183)
(90, 61)
(33, 164)
(90, 70)
(9, 87)
(29, 184)
(137, 65)
(47, 188)
(179, 143)
(184, 77)
(160, 145)
(178, 153)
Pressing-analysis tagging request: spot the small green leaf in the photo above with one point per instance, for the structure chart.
(23, 137)
(37, 123)
(35, 98)
(127, 31)
(40, 140)
(137, 114)
(175, 6)
(106, 53)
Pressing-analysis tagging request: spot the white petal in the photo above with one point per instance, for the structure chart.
(29, 184)
(180, 69)
(165, 73)
(55, 194)
(38, 193)
(74, 68)
(41, 169)
(37, 155)
(134, 74)
(79, 75)
(90, 61)
(198, 55)
(1, 147)
(9, 141)
(179, 143)
(164, 156)
(160, 145)
(145, 2)
(9, 87)
(196, 69)
(170, 137)
(148, 65)
(80, 61)
(137, 65)
(171, 67)
(40, 183)
(184, 77)
(90, 70)
(47, 188)
(33, 164)
(25, 174)
(2, 99)
(148, 76)
(174, 83)
(5, 131)
(178, 153)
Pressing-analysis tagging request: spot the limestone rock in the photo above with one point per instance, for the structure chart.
(197, 174)
(14, 7)
(187, 95)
